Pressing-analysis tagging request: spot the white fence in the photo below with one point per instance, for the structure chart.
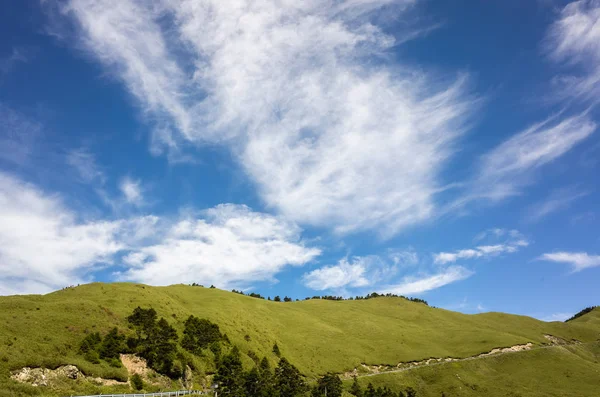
(160, 394)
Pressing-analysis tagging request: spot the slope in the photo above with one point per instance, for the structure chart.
(316, 335)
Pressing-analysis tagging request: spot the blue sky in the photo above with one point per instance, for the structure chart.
(446, 150)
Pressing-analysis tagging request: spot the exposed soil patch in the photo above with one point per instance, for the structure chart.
(135, 365)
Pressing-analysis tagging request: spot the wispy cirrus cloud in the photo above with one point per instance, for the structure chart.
(132, 191)
(578, 260)
(415, 285)
(574, 40)
(513, 241)
(558, 200)
(509, 167)
(330, 136)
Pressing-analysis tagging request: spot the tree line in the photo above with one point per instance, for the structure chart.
(324, 297)
(581, 313)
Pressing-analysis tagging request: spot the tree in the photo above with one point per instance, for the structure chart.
(164, 348)
(230, 374)
(90, 342)
(386, 392)
(276, 350)
(252, 385)
(287, 299)
(410, 392)
(329, 385)
(143, 321)
(288, 380)
(355, 388)
(370, 391)
(199, 333)
(112, 345)
(401, 394)
(156, 341)
(277, 299)
(266, 378)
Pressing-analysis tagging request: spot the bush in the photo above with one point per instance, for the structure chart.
(137, 382)
(92, 356)
(115, 363)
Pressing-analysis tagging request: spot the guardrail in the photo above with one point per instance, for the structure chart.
(159, 394)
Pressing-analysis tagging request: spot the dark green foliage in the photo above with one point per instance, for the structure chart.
(252, 383)
(329, 385)
(287, 299)
(267, 379)
(92, 356)
(137, 382)
(276, 350)
(370, 391)
(386, 392)
(199, 333)
(230, 374)
(215, 347)
(288, 380)
(90, 343)
(410, 392)
(581, 313)
(355, 388)
(277, 299)
(143, 321)
(253, 356)
(156, 341)
(401, 394)
(112, 345)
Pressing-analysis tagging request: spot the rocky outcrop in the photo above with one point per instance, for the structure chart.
(45, 376)
(42, 376)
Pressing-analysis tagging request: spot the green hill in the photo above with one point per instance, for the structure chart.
(315, 335)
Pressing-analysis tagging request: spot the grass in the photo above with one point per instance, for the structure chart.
(316, 335)
(572, 371)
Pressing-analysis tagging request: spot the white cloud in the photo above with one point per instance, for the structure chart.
(557, 317)
(132, 191)
(512, 243)
(574, 39)
(45, 246)
(18, 137)
(418, 285)
(510, 166)
(7, 64)
(300, 91)
(360, 271)
(578, 260)
(342, 275)
(558, 200)
(85, 164)
(229, 246)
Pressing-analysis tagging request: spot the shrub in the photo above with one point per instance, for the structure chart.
(92, 356)
(137, 382)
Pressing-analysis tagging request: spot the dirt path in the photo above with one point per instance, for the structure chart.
(402, 367)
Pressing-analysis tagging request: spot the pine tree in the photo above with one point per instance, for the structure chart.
(370, 391)
(329, 385)
(355, 388)
(112, 345)
(288, 380)
(410, 392)
(230, 374)
(266, 379)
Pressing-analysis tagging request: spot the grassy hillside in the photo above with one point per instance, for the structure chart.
(559, 371)
(316, 335)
